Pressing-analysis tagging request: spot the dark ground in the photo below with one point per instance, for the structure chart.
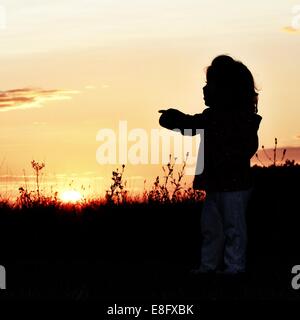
(143, 252)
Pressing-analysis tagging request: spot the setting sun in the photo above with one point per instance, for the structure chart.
(71, 196)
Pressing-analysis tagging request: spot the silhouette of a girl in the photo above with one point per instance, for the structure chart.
(230, 140)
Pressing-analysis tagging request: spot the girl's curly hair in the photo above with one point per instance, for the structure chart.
(233, 85)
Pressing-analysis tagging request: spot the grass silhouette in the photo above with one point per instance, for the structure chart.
(119, 246)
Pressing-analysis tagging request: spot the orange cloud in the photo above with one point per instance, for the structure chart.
(25, 98)
(290, 29)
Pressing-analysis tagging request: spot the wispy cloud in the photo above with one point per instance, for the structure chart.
(26, 98)
(290, 29)
(90, 87)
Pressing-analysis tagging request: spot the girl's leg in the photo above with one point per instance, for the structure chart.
(234, 207)
(212, 234)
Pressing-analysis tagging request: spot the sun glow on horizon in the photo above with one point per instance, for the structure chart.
(71, 196)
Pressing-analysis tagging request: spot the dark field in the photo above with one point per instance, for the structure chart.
(144, 251)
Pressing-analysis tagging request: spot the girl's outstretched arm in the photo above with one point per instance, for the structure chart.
(175, 119)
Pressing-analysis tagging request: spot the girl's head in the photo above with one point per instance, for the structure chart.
(230, 85)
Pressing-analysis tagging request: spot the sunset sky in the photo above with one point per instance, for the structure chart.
(72, 67)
